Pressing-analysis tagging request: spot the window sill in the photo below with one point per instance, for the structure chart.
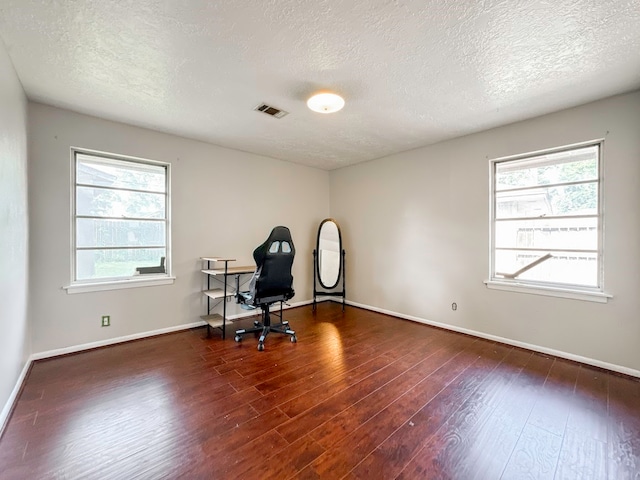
(573, 294)
(119, 284)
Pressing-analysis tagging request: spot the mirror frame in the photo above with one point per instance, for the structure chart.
(322, 284)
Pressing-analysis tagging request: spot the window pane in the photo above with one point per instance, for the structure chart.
(119, 233)
(95, 264)
(547, 208)
(538, 202)
(113, 203)
(569, 166)
(563, 268)
(134, 195)
(120, 174)
(543, 233)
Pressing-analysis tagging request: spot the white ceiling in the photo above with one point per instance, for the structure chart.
(413, 72)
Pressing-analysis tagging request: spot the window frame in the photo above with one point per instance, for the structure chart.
(114, 283)
(565, 290)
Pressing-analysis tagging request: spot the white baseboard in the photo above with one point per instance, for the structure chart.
(113, 341)
(536, 348)
(151, 333)
(6, 411)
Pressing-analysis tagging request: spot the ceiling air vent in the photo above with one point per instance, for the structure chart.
(272, 111)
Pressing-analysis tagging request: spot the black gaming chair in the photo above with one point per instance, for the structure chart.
(271, 283)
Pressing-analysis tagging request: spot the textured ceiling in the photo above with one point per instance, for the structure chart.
(412, 72)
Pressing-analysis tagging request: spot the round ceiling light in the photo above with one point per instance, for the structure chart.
(325, 102)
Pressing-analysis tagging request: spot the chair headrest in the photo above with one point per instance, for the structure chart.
(278, 243)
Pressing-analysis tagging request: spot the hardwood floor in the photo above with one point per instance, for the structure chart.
(361, 395)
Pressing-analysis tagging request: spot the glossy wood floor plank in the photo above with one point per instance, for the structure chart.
(623, 445)
(348, 452)
(319, 412)
(447, 453)
(505, 425)
(357, 414)
(360, 395)
(398, 449)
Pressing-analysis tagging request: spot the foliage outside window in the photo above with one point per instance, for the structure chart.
(120, 219)
(547, 218)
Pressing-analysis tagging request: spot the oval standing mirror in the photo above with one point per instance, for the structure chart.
(329, 247)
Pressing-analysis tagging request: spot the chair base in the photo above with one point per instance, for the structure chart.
(265, 328)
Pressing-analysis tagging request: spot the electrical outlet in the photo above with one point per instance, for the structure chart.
(454, 306)
(106, 320)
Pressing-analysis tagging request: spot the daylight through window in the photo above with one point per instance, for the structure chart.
(547, 218)
(120, 217)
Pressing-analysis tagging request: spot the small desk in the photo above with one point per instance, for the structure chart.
(215, 320)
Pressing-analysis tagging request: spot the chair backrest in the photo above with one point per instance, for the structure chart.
(274, 258)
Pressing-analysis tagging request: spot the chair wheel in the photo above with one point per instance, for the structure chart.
(237, 338)
(256, 323)
(294, 339)
(260, 347)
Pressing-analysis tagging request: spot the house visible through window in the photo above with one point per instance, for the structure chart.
(547, 218)
(120, 223)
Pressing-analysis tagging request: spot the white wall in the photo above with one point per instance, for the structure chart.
(224, 203)
(416, 231)
(14, 332)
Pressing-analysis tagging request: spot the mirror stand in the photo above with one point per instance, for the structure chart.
(329, 263)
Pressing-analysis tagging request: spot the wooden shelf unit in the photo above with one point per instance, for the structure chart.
(216, 320)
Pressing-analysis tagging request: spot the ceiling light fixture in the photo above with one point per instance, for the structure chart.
(325, 102)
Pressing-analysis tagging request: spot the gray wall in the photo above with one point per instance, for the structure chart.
(14, 235)
(224, 203)
(416, 230)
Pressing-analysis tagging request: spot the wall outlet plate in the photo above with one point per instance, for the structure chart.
(106, 320)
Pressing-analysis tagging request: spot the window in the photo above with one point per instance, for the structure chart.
(120, 218)
(546, 219)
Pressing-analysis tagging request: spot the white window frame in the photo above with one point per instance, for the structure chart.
(578, 292)
(115, 283)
